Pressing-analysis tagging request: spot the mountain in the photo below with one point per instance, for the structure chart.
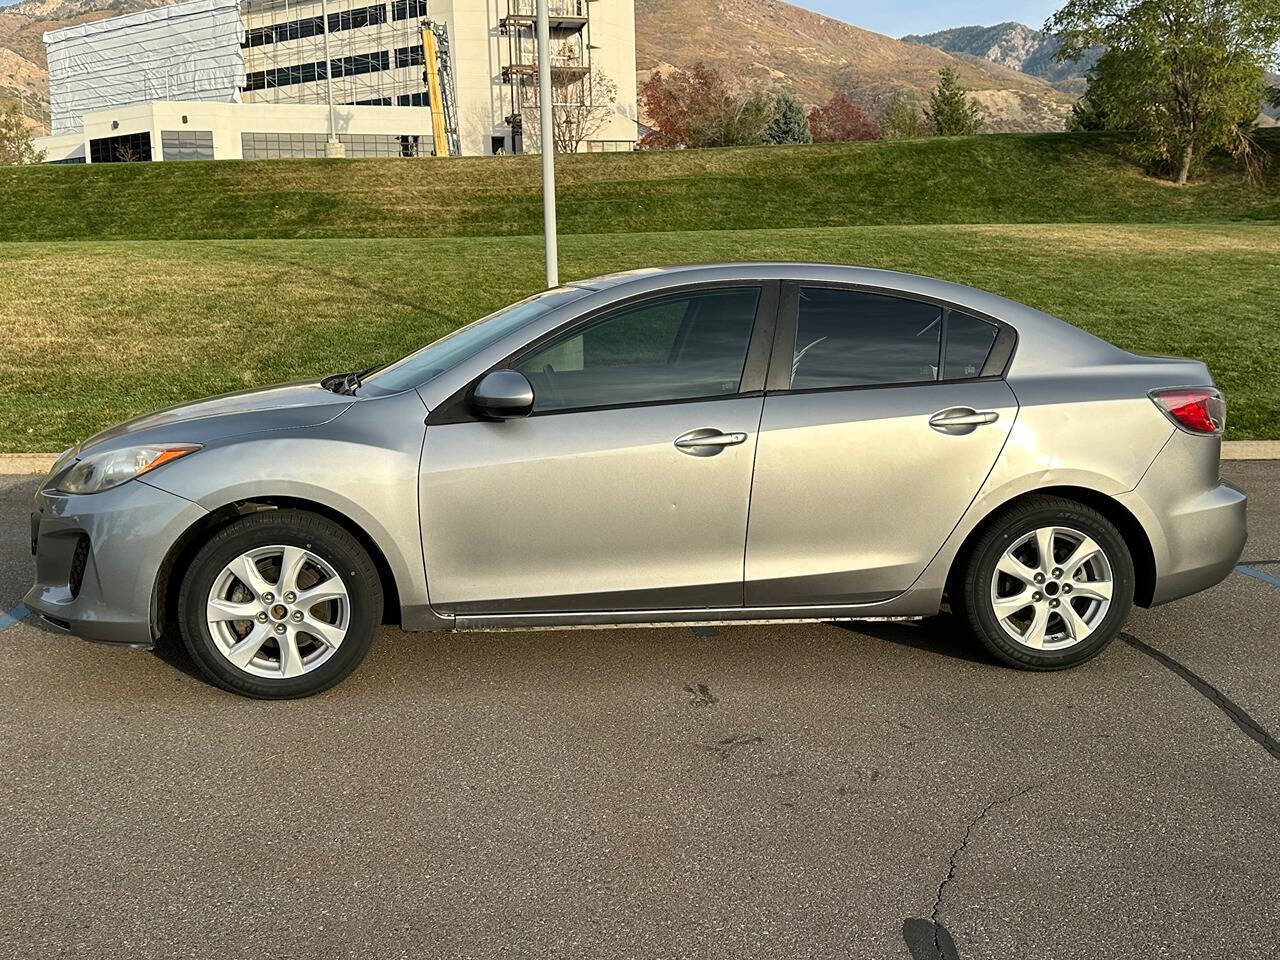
(816, 56)
(762, 40)
(1012, 45)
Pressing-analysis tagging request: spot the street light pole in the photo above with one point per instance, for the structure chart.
(332, 149)
(548, 145)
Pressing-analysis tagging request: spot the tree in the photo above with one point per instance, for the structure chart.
(950, 112)
(839, 120)
(902, 121)
(1181, 77)
(16, 144)
(1088, 113)
(696, 107)
(788, 123)
(584, 112)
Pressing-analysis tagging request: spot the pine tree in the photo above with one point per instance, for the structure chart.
(950, 112)
(789, 124)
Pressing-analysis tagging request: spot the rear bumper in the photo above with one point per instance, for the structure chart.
(97, 558)
(1195, 522)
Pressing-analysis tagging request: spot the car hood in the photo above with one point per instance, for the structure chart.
(282, 407)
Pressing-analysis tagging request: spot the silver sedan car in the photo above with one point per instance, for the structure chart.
(758, 441)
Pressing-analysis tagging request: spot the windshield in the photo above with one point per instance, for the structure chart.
(465, 342)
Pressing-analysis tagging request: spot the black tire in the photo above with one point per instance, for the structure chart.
(288, 527)
(972, 590)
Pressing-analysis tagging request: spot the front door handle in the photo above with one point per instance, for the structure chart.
(956, 420)
(707, 442)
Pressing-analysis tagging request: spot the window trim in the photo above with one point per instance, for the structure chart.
(779, 377)
(457, 409)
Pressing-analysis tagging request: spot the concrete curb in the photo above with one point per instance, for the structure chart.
(26, 464)
(16, 464)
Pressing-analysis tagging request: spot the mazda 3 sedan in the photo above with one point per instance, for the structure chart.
(695, 444)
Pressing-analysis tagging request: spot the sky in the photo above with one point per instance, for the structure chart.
(897, 17)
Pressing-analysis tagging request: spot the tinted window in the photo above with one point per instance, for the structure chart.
(676, 348)
(969, 340)
(845, 338)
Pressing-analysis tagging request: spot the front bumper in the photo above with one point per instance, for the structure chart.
(98, 556)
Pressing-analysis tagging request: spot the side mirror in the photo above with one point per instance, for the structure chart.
(503, 395)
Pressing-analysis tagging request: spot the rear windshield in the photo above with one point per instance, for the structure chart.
(465, 342)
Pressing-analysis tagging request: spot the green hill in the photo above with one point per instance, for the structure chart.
(1042, 178)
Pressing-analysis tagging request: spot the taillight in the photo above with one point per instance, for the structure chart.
(1198, 409)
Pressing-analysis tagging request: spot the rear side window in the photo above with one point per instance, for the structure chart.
(969, 343)
(676, 348)
(847, 338)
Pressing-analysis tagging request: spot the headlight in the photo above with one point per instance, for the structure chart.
(102, 471)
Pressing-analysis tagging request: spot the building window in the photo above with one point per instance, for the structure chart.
(123, 149)
(384, 145)
(408, 9)
(279, 32)
(371, 102)
(610, 146)
(186, 144)
(357, 18)
(272, 146)
(353, 66)
(413, 100)
(409, 56)
(360, 63)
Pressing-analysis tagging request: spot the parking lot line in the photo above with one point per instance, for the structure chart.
(9, 618)
(1258, 575)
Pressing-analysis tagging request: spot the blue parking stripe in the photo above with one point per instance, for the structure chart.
(1258, 575)
(11, 617)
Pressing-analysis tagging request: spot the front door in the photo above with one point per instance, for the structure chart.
(628, 486)
(886, 419)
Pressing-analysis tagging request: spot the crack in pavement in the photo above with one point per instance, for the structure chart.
(1235, 713)
(944, 946)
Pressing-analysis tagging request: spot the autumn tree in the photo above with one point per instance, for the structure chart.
(901, 120)
(697, 107)
(787, 122)
(950, 111)
(839, 120)
(1180, 77)
(16, 144)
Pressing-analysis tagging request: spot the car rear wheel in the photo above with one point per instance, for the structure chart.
(1048, 585)
(280, 604)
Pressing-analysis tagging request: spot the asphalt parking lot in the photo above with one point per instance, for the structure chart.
(790, 791)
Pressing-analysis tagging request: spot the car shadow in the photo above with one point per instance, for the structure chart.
(942, 635)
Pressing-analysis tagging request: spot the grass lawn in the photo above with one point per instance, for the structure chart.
(93, 332)
(1040, 178)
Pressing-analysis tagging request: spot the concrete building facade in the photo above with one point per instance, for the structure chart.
(224, 79)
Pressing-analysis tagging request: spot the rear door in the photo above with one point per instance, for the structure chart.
(628, 486)
(884, 416)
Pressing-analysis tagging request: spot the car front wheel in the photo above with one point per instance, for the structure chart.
(280, 604)
(1048, 585)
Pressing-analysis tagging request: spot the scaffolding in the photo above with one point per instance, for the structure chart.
(570, 25)
(376, 53)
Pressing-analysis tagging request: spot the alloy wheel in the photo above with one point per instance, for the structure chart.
(278, 611)
(1052, 588)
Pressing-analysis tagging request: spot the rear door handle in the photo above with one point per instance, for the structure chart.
(707, 442)
(961, 419)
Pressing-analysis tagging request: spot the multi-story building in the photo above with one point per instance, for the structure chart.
(270, 78)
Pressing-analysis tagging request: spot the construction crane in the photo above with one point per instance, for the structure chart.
(437, 74)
